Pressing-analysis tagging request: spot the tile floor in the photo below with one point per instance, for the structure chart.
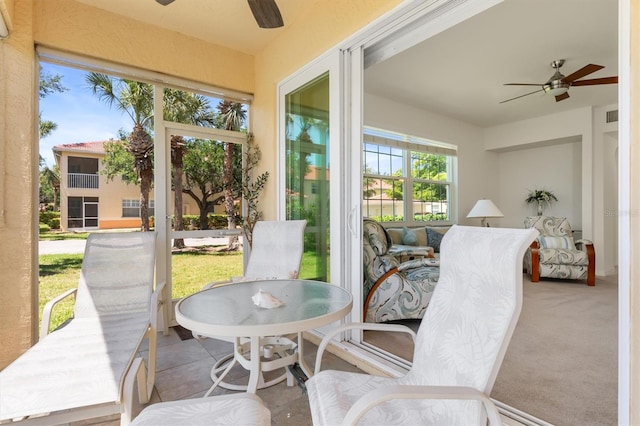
(183, 371)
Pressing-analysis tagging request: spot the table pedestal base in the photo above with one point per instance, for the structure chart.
(264, 354)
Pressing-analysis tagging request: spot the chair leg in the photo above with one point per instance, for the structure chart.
(591, 271)
(535, 262)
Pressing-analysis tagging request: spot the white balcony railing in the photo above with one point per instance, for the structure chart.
(82, 180)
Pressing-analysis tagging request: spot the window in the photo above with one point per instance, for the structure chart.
(131, 208)
(407, 179)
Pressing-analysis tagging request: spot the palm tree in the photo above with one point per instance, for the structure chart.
(51, 178)
(136, 99)
(188, 108)
(233, 117)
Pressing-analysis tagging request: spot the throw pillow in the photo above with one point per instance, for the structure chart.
(409, 237)
(547, 242)
(395, 234)
(434, 238)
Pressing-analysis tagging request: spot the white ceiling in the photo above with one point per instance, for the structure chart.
(461, 72)
(458, 73)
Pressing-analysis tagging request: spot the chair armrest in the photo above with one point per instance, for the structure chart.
(378, 396)
(216, 283)
(362, 326)
(583, 241)
(418, 263)
(48, 308)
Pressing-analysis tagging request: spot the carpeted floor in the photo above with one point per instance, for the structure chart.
(561, 365)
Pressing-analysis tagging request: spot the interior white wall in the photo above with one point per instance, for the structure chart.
(478, 175)
(555, 167)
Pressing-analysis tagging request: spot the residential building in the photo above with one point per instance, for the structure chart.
(89, 200)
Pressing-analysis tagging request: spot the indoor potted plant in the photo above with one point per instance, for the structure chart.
(542, 198)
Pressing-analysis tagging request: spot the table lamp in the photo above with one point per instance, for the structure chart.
(484, 209)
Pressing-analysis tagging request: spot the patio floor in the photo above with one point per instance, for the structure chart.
(183, 372)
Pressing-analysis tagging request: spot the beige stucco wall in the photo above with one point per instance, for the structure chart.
(18, 187)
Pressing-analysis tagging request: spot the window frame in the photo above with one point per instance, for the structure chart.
(408, 145)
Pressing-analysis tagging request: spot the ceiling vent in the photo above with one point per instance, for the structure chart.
(612, 116)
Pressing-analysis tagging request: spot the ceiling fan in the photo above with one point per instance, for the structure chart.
(265, 12)
(558, 85)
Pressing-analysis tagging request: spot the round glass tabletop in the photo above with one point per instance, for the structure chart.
(230, 311)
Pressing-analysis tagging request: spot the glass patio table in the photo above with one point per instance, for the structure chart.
(228, 312)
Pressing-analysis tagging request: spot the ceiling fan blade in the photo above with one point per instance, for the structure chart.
(562, 97)
(526, 94)
(266, 13)
(586, 70)
(164, 2)
(594, 81)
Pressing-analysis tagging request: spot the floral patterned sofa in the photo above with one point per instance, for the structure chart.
(393, 290)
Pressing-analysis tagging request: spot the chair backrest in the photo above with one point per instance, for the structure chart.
(277, 249)
(474, 308)
(117, 274)
(553, 226)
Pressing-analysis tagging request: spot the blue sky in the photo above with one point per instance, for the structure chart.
(79, 114)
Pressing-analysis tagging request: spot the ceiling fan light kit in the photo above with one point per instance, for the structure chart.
(558, 85)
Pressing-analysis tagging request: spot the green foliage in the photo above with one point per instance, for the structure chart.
(50, 84)
(203, 166)
(118, 161)
(388, 218)
(214, 221)
(430, 217)
(541, 196)
(43, 227)
(251, 188)
(50, 218)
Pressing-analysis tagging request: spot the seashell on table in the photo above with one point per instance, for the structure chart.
(264, 299)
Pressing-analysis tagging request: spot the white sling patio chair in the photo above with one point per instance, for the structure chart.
(89, 368)
(459, 346)
(228, 410)
(277, 251)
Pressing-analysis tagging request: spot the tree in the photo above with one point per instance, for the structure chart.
(50, 182)
(49, 84)
(203, 169)
(233, 117)
(189, 108)
(135, 99)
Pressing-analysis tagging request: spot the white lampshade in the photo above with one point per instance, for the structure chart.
(485, 209)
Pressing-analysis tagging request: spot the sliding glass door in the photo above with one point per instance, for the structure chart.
(311, 166)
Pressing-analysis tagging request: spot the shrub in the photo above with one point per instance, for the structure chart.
(50, 218)
(43, 227)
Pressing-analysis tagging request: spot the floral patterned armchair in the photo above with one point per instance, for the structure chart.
(393, 290)
(554, 254)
